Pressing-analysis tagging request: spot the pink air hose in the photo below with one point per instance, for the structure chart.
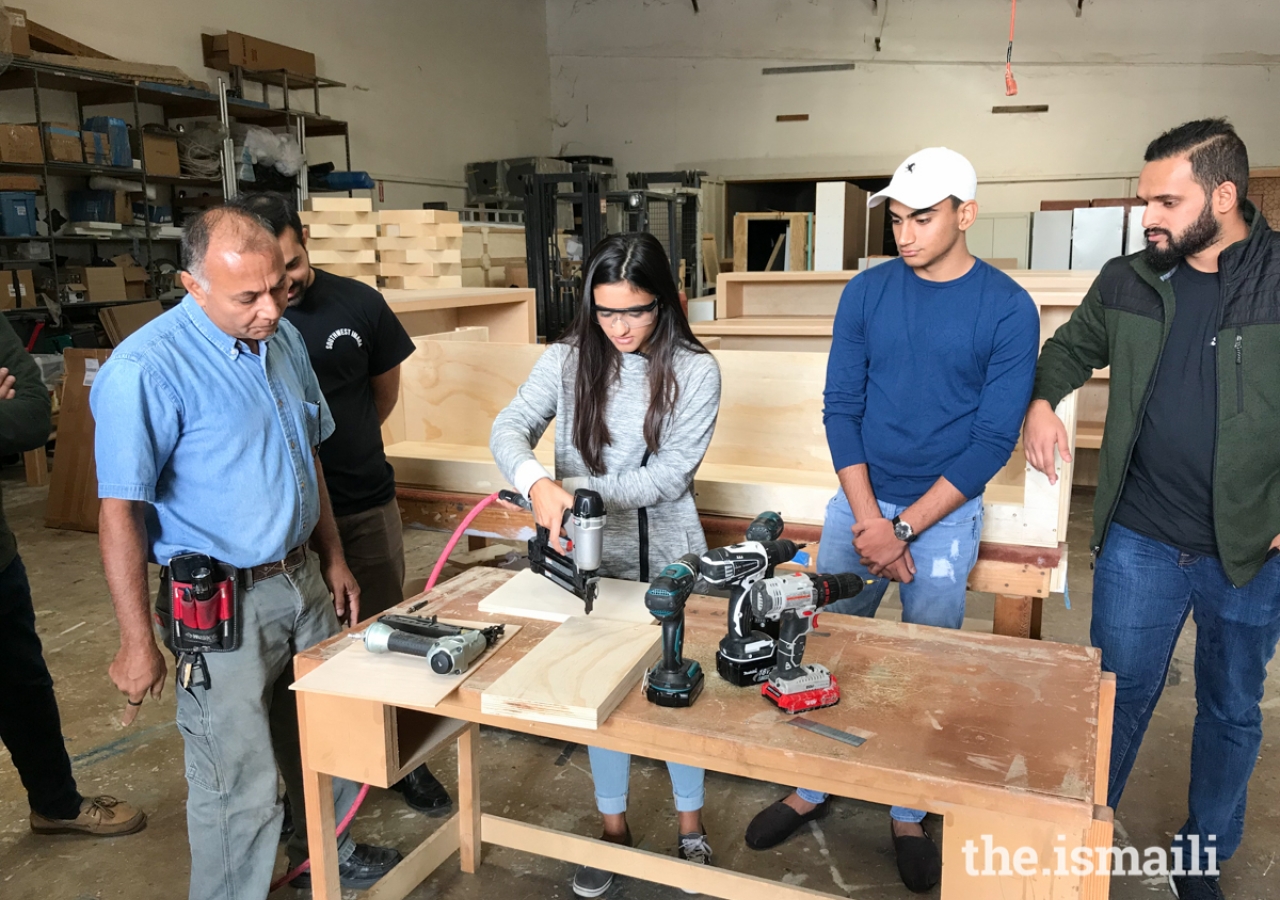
(305, 865)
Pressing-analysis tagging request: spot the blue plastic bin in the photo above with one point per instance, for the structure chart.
(18, 213)
(118, 131)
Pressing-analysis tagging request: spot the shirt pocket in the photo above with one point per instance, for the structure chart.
(311, 421)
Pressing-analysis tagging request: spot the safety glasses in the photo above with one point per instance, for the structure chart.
(634, 315)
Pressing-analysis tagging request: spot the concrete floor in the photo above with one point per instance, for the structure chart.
(847, 853)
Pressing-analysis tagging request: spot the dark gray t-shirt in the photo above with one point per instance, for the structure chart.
(1168, 495)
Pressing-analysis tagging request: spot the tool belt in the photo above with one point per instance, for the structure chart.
(200, 607)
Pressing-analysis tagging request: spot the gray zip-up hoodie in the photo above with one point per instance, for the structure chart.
(663, 486)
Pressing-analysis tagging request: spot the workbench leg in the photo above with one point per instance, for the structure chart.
(322, 840)
(37, 466)
(475, 542)
(1018, 616)
(469, 845)
(989, 854)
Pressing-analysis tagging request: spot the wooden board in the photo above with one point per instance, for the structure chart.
(327, 230)
(797, 242)
(73, 486)
(323, 256)
(533, 596)
(577, 675)
(424, 216)
(339, 204)
(391, 678)
(339, 217)
(419, 255)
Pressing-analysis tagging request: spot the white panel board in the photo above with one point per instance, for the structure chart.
(1097, 235)
(1051, 240)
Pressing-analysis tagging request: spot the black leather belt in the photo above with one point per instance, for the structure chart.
(292, 561)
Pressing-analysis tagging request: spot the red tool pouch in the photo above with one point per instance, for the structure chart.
(199, 607)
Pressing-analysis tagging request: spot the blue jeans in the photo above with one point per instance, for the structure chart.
(943, 554)
(611, 772)
(1143, 590)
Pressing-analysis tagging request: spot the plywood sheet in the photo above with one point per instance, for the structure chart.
(577, 675)
(535, 597)
(394, 679)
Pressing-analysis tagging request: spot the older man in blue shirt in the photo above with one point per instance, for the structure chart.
(208, 419)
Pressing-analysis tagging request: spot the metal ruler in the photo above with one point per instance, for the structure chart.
(827, 731)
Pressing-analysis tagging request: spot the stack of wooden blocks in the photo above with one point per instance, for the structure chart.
(419, 248)
(343, 237)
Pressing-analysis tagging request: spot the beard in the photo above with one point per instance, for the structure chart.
(1199, 235)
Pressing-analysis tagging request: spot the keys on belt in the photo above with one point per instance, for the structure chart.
(193, 668)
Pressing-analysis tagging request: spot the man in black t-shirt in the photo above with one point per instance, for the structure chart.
(356, 345)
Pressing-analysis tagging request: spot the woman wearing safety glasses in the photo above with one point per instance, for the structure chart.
(635, 396)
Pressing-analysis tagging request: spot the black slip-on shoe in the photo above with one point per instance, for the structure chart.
(774, 824)
(919, 861)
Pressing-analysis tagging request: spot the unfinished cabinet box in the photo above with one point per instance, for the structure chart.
(510, 314)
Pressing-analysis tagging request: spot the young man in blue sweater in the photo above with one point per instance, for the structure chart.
(932, 362)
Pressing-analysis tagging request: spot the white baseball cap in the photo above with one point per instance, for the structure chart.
(929, 177)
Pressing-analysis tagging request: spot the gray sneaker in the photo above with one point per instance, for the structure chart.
(589, 882)
(695, 849)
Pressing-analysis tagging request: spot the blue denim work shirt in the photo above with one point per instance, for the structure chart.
(217, 439)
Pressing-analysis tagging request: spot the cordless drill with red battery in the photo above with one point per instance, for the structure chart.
(793, 601)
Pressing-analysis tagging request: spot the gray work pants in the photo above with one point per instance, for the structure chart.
(240, 729)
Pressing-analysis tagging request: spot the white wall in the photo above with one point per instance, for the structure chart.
(659, 87)
(432, 84)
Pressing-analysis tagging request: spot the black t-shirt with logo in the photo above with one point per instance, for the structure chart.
(352, 336)
(1168, 494)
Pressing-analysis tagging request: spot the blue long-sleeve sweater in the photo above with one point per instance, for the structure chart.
(929, 379)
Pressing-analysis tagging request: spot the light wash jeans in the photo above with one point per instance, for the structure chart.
(611, 772)
(240, 729)
(943, 555)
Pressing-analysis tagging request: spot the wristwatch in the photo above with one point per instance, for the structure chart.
(903, 531)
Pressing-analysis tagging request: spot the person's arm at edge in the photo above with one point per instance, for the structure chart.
(1067, 360)
(386, 392)
(327, 543)
(139, 667)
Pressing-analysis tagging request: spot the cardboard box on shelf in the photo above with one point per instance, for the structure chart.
(136, 278)
(21, 183)
(62, 142)
(158, 152)
(17, 39)
(224, 51)
(102, 283)
(97, 147)
(20, 144)
(21, 293)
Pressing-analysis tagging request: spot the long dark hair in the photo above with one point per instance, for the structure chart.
(639, 260)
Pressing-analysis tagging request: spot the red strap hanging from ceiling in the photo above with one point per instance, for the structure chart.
(1010, 86)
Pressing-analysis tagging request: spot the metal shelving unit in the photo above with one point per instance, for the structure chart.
(94, 89)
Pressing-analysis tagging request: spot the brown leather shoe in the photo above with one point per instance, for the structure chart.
(99, 816)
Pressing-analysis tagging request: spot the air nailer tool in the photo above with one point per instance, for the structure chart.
(450, 649)
(746, 656)
(794, 600)
(579, 571)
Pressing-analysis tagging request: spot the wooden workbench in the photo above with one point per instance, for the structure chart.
(1001, 737)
